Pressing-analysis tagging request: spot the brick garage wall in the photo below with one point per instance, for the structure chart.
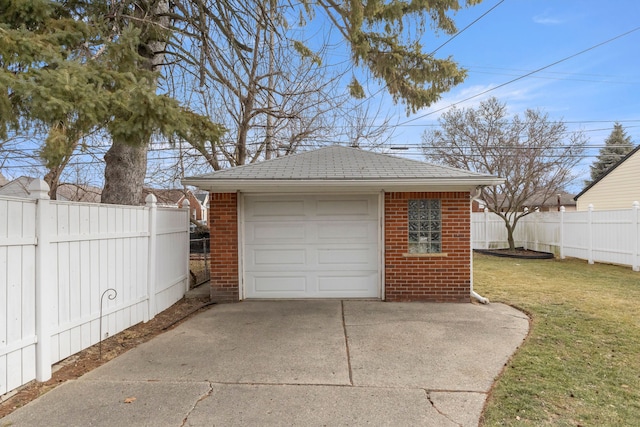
(440, 278)
(223, 225)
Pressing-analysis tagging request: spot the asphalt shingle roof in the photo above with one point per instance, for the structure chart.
(339, 163)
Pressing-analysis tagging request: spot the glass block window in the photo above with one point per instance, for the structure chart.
(425, 226)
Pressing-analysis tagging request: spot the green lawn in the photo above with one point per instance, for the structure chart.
(580, 365)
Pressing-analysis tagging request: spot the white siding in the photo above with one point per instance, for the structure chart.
(618, 190)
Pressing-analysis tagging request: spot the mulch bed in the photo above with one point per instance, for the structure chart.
(519, 253)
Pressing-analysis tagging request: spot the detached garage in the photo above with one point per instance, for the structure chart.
(341, 223)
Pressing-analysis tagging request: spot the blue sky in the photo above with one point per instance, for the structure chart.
(589, 91)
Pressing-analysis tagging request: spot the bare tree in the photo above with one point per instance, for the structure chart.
(282, 103)
(534, 155)
(118, 54)
(271, 106)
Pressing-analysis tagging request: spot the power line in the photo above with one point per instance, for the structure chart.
(522, 76)
(384, 86)
(467, 27)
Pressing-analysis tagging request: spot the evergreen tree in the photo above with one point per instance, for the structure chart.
(616, 146)
(63, 71)
(71, 67)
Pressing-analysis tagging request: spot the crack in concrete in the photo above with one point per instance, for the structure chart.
(433, 405)
(346, 343)
(193, 407)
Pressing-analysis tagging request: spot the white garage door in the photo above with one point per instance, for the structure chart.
(311, 246)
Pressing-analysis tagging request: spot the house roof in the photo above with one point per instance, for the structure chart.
(168, 197)
(79, 193)
(202, 198)
(608, 171)
(17, 188)
(337, 167)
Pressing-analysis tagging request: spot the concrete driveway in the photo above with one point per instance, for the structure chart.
(310, 363)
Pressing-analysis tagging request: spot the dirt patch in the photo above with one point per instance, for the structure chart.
(88, 359)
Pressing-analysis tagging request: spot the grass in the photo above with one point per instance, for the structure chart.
(580, 365)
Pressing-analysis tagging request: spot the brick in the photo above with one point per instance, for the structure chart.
(434, 279)
(223, 225)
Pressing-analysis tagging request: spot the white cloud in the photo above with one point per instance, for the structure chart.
(547, 18)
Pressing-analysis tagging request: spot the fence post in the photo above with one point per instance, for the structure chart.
(562, 209)
(590, 234)
(45, 289)
(536, 220)
(186, 205)
(525, 240)
(635, 228)
(151, 202)
(486, 228)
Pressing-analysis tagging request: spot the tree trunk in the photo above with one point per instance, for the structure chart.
(124, 174)
(512, 244)
(52, 178)
(126, 161)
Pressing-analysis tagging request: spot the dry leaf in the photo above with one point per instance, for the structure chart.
(130, 400)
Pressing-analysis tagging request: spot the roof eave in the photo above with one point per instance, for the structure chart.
(324, 185)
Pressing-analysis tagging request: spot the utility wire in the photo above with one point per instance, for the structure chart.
(384, 86)
(522, 76)
(467, 27)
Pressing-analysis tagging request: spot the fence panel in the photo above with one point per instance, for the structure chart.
(172, 255)
(17, 293)
(576, 236)
(611, 236)
(57, 261)
(102, 244)
(540, 231)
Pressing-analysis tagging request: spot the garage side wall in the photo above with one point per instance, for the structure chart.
(443, 277)
(223, 225)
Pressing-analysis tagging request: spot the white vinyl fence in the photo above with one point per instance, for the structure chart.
(611, 236)
(62, 264)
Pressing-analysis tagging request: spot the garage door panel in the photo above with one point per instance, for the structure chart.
(347, 231)
(280, 257)
(342, 208)
(272, 232)
(275, 286)
(345, 285)
(265, 209)
(328, 258)
(329, 252)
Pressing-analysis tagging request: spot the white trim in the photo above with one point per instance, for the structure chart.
(381, 244)
(240, 238)
(278, 186)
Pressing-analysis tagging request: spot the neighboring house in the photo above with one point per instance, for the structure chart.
(66, 192)
(79, 193)
(618, 188)
(175, 198)
(17, 187)
(341, 223)
(3, 180)
(199, 204)
(553, 203)
(166, 198)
